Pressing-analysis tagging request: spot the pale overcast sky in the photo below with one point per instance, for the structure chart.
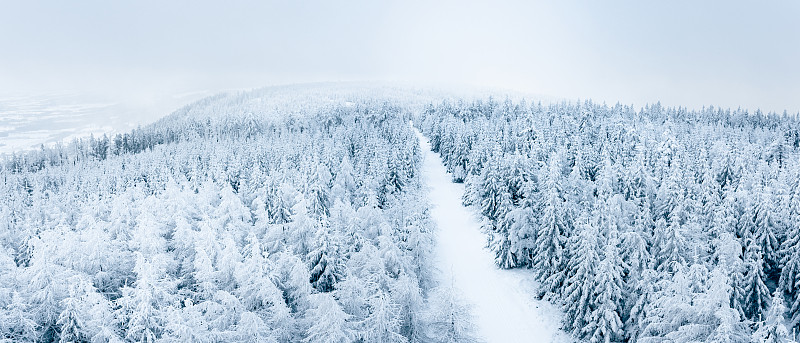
(687, 53)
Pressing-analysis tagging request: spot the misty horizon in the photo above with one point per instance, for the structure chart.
(682, 54)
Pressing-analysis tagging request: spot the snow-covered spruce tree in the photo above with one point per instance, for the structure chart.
(715, 311)
(638, 304)
(17, 320)
(71, 327)
(728, 255)
(141, 306)
(766, 229)
(580, 287)
(498, 203)
(606, 324)
(447, 317)
(520, 225)
(549, 255)
(323, 259)
(670, 245)
(773, 327)
(329, 324)
(756, 294)
(252, 328)
(407, 295)
(669, 306)
(790, 252)
(382, 324)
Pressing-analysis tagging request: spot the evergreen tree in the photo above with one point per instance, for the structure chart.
(302, 228)
(383, 322)
(637, 304)
(323, 260)
(70, 325)
(716, 312)
(766, 228)
(606, 325)
(728, 253)
(580, 287)
(329, 324)
(408, 295)
(257, 292)
(549, 257)
(790, 252)
(16, 320)
(669, 307)
(140, 306)
(670, 242)
(635, 255)
(252, 329)
(495, 198)
(520, 225)
(448, 318)
(292, 278)
(204, 274)
(773, 328)
(756, 294)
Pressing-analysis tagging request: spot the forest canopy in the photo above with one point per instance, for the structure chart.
(299, 215)
(264, 216)
(651, 225)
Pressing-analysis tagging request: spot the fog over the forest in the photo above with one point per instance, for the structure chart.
(683, 53)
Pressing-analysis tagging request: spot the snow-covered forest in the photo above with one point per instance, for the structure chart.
(651, 225)
(268, 216)
(300, 214)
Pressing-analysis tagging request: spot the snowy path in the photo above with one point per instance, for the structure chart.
(504, 307)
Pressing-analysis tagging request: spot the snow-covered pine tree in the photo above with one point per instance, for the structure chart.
(407, 294)
(68, 322)
(328, 323)
(669, 306)
(715, 311)
(549, 258)
(302, 227)
(670, 243)
(448, 318)
(382, 324)
(606, 323)
(324, 259)
(756, 294)
(790, 252)
(495, 198)
(773, 327)
(140, 306)
(251, 328)
(496, 202)
(17, 322)
(579, 292)
(638, 302)
(257, 292)
(728, 255)
(766, 228)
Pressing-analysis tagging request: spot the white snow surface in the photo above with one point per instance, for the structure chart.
(502, 301)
